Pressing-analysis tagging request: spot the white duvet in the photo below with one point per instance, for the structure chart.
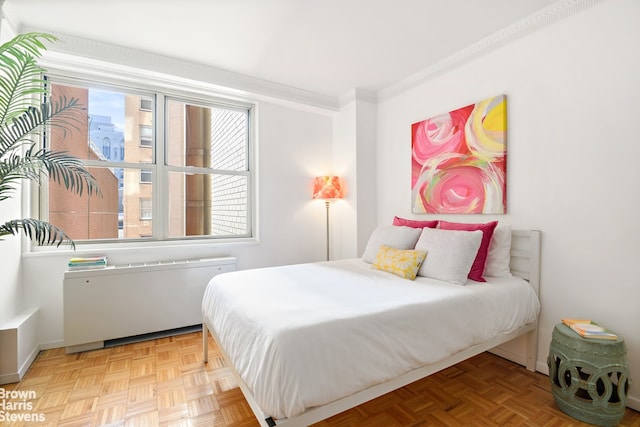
(304, 335)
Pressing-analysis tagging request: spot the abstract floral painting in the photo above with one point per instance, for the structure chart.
(459, 160)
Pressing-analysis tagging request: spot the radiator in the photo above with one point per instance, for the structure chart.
(131, 300)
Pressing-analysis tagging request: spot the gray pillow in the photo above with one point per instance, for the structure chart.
(450, 253)
(398, 237)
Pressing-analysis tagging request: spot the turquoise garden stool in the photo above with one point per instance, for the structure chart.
(589, 377)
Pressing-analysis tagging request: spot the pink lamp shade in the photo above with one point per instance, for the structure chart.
(328, 187)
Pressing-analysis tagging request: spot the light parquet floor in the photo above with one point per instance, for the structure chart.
(163, 382)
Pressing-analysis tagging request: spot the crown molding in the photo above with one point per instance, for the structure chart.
(235, 83)
(223, 80)
(546, 17)
(357, 94)
(8, 18)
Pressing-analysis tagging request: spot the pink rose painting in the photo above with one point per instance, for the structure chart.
(459, 160)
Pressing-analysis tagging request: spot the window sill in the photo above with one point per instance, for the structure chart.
(137, 246)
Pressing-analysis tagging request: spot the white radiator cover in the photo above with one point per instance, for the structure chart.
(126, 300)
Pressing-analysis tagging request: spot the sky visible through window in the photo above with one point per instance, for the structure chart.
(106, 103)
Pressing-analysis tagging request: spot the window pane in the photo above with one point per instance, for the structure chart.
(84, 217)
(108, 128)
(207, 137)
(116, 214)
(208, 205)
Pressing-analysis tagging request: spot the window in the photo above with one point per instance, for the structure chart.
(146, 136)
(145, 176)
(146, 104)
(145, 209)
(106, 147)
(181, 172)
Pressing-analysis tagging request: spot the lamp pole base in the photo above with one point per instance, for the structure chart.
(327, 203)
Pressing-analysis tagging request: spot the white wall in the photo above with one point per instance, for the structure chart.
(354, 154)
(294, 145)
(573, 148)
(10, 290)
(18, 333)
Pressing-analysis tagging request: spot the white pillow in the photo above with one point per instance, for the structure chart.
(450, 253)
(499, 256)
(398, 237)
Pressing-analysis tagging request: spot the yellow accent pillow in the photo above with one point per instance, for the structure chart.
(403, 263)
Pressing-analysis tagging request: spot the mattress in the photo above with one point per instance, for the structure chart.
(305, 335)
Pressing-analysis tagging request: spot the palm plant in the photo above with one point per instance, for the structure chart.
(23, 116)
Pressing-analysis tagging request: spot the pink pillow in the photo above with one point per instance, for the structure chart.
(477, 269)
(413, 223)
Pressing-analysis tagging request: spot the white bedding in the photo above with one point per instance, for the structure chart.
(304, 335)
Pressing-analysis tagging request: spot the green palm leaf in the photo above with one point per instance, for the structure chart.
(64, 169)
(30, 42)
(20, 75)
(61, 113)
(23, 116)
(39, 231)
(58, 165)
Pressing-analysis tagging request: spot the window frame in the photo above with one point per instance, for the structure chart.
(161, 91)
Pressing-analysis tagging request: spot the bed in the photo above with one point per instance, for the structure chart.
(308, 341)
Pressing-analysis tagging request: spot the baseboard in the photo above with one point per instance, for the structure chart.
(512, 356)
(28, 361)
(633, 403)
(14, 377)
(51, 345)
(515, 350)
(9, 378)
(542, 367)
(84, 347)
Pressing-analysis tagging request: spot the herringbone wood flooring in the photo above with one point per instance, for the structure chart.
(163, 382)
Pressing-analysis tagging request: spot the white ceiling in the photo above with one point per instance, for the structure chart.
(326, 47)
